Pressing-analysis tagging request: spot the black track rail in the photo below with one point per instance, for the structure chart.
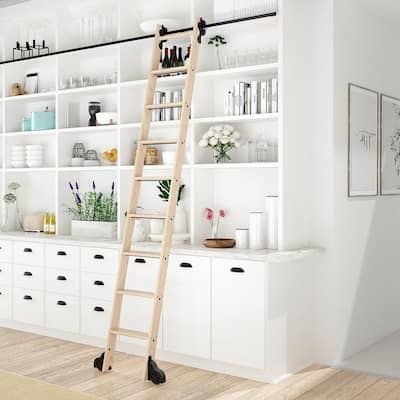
(136, 38)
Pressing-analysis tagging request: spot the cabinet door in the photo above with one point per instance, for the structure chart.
(5, 251)
(60, 256)
(29, 306)
(28, 277)
(28, 253)
(95, 317)
(5, 302)
(187, 307)
(238, 312)
(62, 312)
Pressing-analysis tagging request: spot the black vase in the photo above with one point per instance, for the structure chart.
(94, 108)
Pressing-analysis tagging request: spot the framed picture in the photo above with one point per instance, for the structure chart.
(31, 85)
(390, 145)
(363, 146)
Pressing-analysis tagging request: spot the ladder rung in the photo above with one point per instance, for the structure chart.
(129, 333)
(168, 71)
(166, 105)
(177, 35)
(152, 178)
(147, 216)
(136, 293)
(145, 254)
(154, 142)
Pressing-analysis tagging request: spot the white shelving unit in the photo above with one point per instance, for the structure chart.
(239, 187)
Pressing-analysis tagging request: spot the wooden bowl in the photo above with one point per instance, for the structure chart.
(219, 243)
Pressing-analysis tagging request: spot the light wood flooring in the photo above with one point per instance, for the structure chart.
(70, 365)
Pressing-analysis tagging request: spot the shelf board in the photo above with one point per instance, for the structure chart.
(237, 165)
(97, 168)
(236, 118)
(89, 89)
(31, 133)
(30, 97)
(89, 129)
(42, 169)
(152, 167)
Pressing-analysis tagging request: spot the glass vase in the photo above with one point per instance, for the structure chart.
(221, 156)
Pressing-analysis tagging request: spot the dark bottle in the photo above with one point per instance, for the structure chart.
(166, 62)
(179, 62)
(187, 56)
(174, 60)
(161, 58)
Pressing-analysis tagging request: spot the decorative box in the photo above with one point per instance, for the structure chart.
(94, 229)
(43, 120)
(26, 124)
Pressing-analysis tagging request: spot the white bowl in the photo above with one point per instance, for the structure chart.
(34, 154)
(106, 118)
(34, 160)
(34, 147)
(34, 164)
(17, 157)
(150, 25)
(91, 163)
(18, 148)
(76, 162)
(18, 164)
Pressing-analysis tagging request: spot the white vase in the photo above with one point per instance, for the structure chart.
(94, 229)
(157, 225)
(271, 208)
(139, 233)
(242, 238)
(180, 224)
(256, 230)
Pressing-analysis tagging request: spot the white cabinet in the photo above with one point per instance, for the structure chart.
(28, 253)
(28, 277)
(95, 317)
(5, 251)
(62, 281)
(238, 312)
(98, 286)
(187, 307)
(5, 274)
(5, 302)
(61, 256)
(29, 306)
(99, 260)
(62, 312)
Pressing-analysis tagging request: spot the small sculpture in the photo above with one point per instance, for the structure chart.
(16, 89)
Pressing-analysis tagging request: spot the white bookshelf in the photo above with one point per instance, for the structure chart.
(238, 186)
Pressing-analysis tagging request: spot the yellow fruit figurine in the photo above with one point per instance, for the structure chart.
(110, 155)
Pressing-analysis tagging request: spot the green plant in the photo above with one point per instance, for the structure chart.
(165, 187)
(217, 40)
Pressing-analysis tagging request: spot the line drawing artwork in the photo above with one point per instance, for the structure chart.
(366, 139)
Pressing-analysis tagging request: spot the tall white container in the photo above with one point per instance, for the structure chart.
(271, 209)
(256, 230)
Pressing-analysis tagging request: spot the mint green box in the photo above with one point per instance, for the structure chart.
(43, 120)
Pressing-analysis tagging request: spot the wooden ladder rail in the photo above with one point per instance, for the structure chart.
(104, 362)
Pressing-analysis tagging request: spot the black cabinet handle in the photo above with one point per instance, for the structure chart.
(185, 265)
(140, 260)
(27, 273)
(61, 278)
(27, 250)
(61, 303)
(98, 309)
(61, 253)
(1, 270)
(98, 257)
(239, 270)
(26, 297)
(98, 283)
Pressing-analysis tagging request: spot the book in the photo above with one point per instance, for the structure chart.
(255, 97)
(274, 95)
(247, 101)
(229, 103)
(263, 97)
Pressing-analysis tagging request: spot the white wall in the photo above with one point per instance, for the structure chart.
(359, 296)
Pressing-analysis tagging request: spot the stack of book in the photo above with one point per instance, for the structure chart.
(256, 97)
(167, 114)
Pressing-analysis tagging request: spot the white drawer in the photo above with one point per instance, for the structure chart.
(98, 286)
(142, 274)
(95, 317)
(103, 261)
(62, 312)
(28, 253)
(5, 302)
(28, 277)
(29, 306)
(5, 274)
(5, 250)
(58, 256)
(62, 281)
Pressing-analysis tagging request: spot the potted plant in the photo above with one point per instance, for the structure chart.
(222, 139)
(10, 199)
(217, 41)
(213, 217)
(94, 214)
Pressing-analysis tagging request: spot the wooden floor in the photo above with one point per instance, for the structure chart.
(70, 365)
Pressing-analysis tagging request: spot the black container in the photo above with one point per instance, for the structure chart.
(94, 108)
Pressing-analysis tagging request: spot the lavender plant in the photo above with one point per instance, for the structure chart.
(93, 205)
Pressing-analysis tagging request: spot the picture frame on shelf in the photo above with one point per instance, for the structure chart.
(389, 145)
(363, 141)
(31, 85)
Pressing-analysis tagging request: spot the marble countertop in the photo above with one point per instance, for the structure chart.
(186, 249)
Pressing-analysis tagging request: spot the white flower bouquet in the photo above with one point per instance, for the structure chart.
(222, 139)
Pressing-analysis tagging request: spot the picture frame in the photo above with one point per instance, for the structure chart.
(31, 84)
(363, 141)
(389, 145)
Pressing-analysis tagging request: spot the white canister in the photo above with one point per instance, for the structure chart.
(271, 209)
(256, 230)
(242, 238)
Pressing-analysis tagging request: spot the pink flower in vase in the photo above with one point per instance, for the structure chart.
(209, 213)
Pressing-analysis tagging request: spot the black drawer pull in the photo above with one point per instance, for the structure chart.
(235, 269)
(61, 278)
(61, 253)
(27, 273)
(98, 257)
(26, 297)
(185, 265)
(1, 270)
(61, 303)
(27, 250)
(98, 283)
(140, 260)
(98, 309)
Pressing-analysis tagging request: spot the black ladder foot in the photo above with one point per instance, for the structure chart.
(98, 363)
(155, 374)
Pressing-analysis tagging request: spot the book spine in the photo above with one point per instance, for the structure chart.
(269, 97)
(274, 95)
(236, 92)
(255, 97)
(247, 102)
(263, 97)
(242, 97)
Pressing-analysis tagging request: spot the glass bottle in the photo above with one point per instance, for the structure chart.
(46, 223)
(52, 226)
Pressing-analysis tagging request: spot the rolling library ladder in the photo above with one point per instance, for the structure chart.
(104, 362)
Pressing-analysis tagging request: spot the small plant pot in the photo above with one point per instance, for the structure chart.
(94, 229)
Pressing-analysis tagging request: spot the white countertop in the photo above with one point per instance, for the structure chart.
(186, 249)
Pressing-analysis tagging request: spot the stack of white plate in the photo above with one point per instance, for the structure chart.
(18, 157)
(34, 155)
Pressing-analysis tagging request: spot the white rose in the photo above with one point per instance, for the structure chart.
(205, 136)
(213, 142)
(203, 143)
(217, 136)
(230, 128)
(232, 140)
(218, 128)
(224, 140)
(226, 132)
(237, 144)
(210, 133)
(236, 135)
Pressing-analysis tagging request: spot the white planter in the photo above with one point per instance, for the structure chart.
(180, 224)
(94, 229)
